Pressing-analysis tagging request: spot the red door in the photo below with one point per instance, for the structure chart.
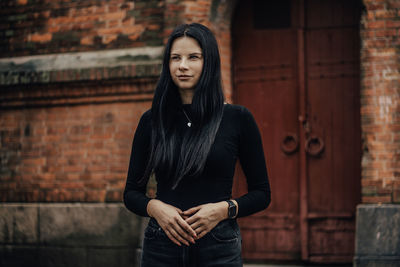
(296, 67)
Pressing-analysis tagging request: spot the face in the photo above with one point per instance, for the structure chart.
(186, 63)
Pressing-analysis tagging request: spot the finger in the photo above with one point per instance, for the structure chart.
(192, 210)
(200, 229)
(202, 233)
(179, 210)
(178, 237)
(192, 219)
(172, 238)
(183, 234)
(196, 224)
(184, 226)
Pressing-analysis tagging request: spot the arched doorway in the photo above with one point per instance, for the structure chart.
(296, 67)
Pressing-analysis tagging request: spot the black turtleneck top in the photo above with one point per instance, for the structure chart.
(238, 137)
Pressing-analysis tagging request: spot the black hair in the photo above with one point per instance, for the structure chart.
(206, 113)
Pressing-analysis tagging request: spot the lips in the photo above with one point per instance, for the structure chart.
(184, 77)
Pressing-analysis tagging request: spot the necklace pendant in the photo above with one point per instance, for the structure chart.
(189, 124)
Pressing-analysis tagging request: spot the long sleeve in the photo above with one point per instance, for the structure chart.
(252, 160)
(135, 198)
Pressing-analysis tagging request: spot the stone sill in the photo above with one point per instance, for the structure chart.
(79, 78)
(143, 62)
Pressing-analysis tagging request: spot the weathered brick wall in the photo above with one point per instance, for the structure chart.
(380, 101)
(67, 153)
(43, 27)
(54, 26)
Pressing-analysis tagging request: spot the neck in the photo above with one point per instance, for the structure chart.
(186, 96)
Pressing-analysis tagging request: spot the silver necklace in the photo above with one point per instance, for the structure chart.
(189, 124)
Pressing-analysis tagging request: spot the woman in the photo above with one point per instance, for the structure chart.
(191, 140)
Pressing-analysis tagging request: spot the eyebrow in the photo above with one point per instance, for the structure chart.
(194, 53)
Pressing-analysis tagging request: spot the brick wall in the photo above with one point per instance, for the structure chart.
(44, 26)
(67, 153)
(380, 101)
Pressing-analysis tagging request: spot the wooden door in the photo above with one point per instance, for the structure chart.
(296, 67)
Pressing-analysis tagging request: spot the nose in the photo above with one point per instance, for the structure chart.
(183, 64)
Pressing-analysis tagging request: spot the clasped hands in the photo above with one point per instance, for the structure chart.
(183, 227)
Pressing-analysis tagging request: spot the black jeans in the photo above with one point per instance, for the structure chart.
(220, 247)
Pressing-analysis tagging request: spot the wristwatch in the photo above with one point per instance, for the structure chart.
(231, 209)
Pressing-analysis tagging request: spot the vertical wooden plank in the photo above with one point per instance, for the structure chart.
(265, 70)
(331, 49)
(301, 54)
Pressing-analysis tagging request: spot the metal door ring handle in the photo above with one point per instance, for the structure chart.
(314, 146)
(290, 144)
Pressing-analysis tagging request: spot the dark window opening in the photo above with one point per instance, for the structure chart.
(272, 14)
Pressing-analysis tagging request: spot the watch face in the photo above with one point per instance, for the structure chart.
(232, 211)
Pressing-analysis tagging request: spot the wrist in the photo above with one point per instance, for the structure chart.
(149, 207)
(232, 210)
(237, 207)
(224, 210)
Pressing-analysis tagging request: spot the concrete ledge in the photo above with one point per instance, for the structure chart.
(68, 235)
(377, 235)
(19, 224)
(81, 66)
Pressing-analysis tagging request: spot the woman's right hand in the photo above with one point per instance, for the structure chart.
(171, 221)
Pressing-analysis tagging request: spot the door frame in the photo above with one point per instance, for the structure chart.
(301, 83)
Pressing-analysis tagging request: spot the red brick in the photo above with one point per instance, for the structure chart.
(47, 176)
(393, 24)
(369, 182)
(96, 185)
(396, 196)
(8, 186)
(114, 15)
(95, 195)
(386, 33)
(376, 199)
(74, 168)
(34, 161)
(114, 196)
(97, 168)
(73, 176)
(384, 14)
(72, 185)
(393, 4)
(98, 176)
(380, 24)
(375, 6)
(78, 196)
(47, 185)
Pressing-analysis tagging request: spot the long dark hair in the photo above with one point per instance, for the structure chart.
(206, 113)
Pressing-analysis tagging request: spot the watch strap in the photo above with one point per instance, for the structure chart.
(231, 209)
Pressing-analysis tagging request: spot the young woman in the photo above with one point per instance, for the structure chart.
(191, 140)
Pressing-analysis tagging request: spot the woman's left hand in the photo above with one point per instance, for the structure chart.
(205, 217)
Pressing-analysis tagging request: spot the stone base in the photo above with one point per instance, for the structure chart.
(82, 235)
(377, 236)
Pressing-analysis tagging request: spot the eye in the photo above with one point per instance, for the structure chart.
(175, 58)
(193, 57)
